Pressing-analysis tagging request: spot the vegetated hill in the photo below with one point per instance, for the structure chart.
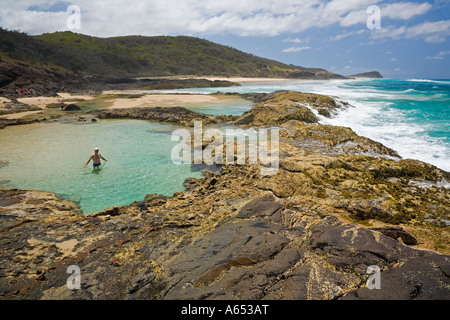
(139, 56)
(371, 74)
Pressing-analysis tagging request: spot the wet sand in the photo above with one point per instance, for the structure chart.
(107, 99)
(169, 100)
(111, 99)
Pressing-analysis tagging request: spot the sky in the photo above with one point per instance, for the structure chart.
(400, 39)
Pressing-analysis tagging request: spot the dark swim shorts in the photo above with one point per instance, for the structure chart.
(97, 165)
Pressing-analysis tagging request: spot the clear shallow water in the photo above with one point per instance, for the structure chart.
(236, 108)
(50, 157)
(411, 116)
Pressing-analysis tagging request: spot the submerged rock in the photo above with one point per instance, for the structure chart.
(72, 107)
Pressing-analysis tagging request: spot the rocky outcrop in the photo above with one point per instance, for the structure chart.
(371, 75)
(43, 80)
(241, 237)
(178, 115)
(310, 231)
(282, 106)
(72, 107)
(47, 81)
(15, 122)
(16, 106)
(332, 140)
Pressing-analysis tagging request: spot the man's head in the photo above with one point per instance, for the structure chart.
(96, 150)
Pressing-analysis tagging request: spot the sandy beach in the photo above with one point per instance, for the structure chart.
(41, 102)
(147, 100)
(168, 100)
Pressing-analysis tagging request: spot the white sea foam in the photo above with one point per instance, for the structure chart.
(428, 80)
(373, 113)
(391, 128)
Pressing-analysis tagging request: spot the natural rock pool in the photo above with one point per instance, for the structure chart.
(51, 156)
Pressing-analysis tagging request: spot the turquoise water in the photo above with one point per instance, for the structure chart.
(411, 116)
(50, 157)
(236, 108)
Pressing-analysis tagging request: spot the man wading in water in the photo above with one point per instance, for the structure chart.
(95, 157)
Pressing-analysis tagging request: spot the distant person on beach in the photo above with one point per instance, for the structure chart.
(95, 157)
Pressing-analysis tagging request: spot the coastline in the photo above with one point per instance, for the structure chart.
(335, 192)
(167, 100)
(112, 99)
(246, 80)
(152, 99)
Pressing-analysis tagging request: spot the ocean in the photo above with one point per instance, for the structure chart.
(410, 116)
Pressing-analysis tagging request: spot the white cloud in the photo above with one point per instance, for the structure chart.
(431, 32)
(394, 11)
(297, 40)
(198, 17)
(389, 32)
(155, 17)
(347, 34)
(405, 10)
(439, 56)
(296, 49)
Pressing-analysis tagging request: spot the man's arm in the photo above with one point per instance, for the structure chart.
(103, 158)
(90, 158)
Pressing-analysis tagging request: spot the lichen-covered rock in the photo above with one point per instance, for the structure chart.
(177, 115)
(332, 140)
(310, 231)
(282, 106)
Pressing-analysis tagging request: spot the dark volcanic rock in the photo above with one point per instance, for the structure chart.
(49, 81)
(15, 107)
(261, 207)
(237, 242)
(282, 106)
(396, 233)
(72, 107)
(371, 74)
(44, 81)
(15, 122)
